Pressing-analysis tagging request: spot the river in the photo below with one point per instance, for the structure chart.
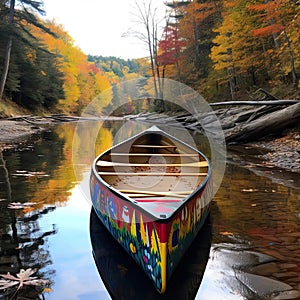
(248, 249)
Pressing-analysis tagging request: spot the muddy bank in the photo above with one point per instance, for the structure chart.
(11, 131)
(14, 129)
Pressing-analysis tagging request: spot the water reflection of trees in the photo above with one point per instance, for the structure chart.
(25, 174)
(22, 243)
(39, 171)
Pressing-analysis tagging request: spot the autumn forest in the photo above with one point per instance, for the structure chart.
(225, 50)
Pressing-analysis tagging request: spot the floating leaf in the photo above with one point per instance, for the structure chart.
(23, 278)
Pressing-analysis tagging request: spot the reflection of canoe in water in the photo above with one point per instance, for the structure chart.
(125, 280)
(153, 194)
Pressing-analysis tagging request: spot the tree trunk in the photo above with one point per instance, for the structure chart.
(258, 102)
(7, 49)
(272, 123)
(6, 66)
(197, 47)
(292, 60)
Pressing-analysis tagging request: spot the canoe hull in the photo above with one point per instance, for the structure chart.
(156, 245)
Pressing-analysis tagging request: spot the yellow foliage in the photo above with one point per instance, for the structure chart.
(235, 45)
(82, 80)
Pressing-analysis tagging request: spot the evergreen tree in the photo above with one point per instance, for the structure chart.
(14, 21)
(39, 81)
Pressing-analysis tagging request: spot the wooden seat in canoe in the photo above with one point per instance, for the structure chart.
(156, 194)
(104, 163)
(149, 174)
(154, 146)
(156, 154)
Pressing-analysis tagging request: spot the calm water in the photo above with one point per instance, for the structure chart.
(251, 243)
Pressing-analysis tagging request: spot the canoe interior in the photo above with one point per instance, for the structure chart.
(153, 166)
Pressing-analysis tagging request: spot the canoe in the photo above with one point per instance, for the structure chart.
(153, 193)
(124, 279)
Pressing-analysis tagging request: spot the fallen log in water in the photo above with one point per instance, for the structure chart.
(271, 123)
(259, 102)
(241, 121)
(43, 120)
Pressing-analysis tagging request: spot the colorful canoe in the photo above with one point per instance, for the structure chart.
(124, 279)
(153, 193)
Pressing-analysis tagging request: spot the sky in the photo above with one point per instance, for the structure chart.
(97, 26)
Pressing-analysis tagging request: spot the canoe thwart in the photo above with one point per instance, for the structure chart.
(156, 154)
(104, 163)
(141, 194)
(155, 192)
(153, 196)
(150, 174)
(158, 200)
(154, 146)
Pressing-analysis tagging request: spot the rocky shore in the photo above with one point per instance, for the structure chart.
(13, 130)
(282, 152)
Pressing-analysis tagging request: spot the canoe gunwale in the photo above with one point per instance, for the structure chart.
(139, 204)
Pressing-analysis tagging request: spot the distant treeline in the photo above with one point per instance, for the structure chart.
(119, 66)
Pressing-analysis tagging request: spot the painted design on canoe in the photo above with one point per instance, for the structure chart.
(123, 278)
(155, 223)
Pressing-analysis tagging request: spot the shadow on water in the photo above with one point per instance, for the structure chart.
(124, 279)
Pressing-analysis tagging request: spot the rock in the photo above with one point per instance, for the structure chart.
(293, 281)
(292, 247)
(295, 234)
(239, 258)
(287, 266)
(274, 253)
(264, 269)
(288, 239)
(262, 286)
(293, 294)
(285, 275)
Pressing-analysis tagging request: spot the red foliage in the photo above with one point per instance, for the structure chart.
(268, 30)
(170, 46)
(93, 68)
(258, 7)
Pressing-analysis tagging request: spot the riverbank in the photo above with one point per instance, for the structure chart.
(12, 131)
(282, 152)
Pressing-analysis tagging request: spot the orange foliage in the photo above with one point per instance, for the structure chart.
(82, 80)
(268, 30)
